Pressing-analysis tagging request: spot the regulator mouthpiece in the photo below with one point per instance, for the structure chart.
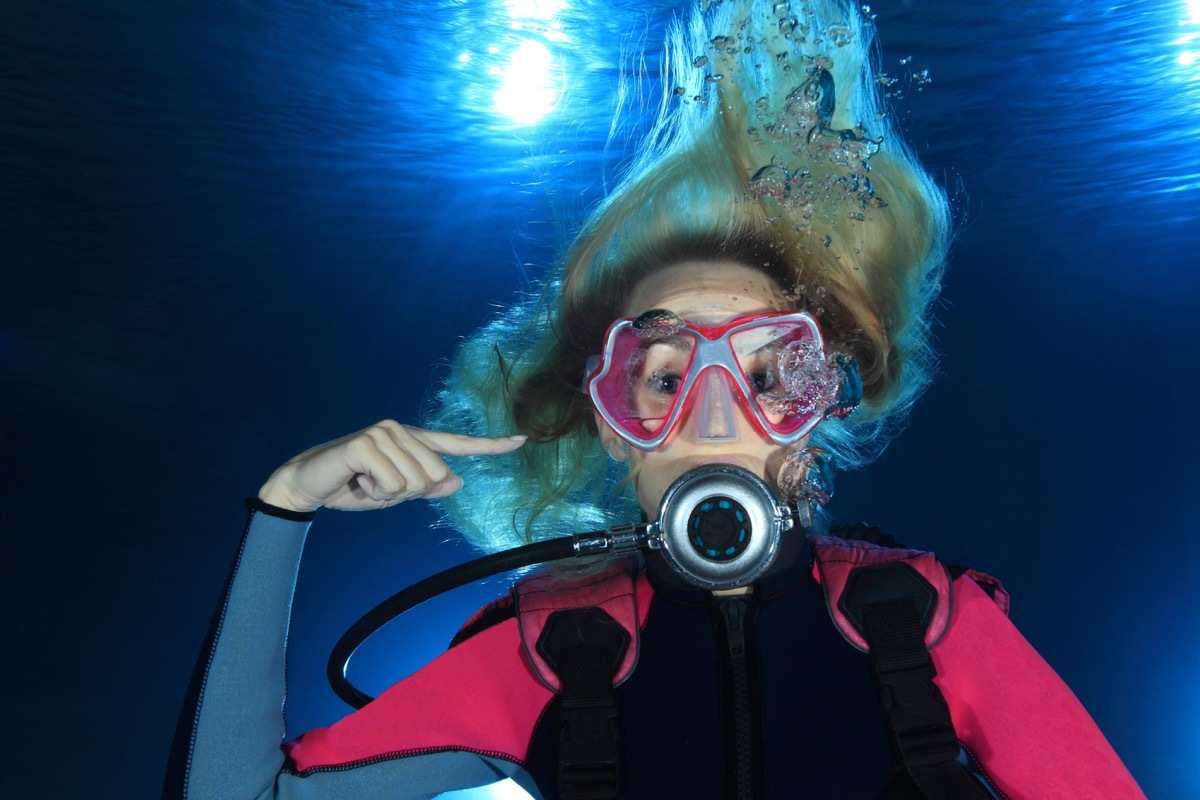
(719, 526)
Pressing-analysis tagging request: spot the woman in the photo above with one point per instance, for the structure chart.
(771, 195)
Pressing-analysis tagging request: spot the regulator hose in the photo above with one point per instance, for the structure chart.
(718, 526)
(413, 596)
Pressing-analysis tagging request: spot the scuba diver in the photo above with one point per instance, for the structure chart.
(746, 310)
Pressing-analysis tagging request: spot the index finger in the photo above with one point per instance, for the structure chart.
(460, 444)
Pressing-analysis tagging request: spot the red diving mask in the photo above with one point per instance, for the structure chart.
(656, 368)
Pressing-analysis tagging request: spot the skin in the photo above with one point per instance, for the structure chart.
(390, 463)
(706, 293)
(380, 466)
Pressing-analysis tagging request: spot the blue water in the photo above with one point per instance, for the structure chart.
(232, 229)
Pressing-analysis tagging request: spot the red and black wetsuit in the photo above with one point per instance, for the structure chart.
(757, 694)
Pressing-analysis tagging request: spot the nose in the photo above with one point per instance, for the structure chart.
(715, 408)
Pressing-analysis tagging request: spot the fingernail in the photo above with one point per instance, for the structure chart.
(520, 437)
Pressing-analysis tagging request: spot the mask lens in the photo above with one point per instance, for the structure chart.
(641, 388)
(776, 359)
(656, 371)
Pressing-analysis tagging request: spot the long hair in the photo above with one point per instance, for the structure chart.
(771, 148)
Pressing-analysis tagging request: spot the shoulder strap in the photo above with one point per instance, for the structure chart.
(585, 647)
(835, 560)
(896, 604)
(580, 635)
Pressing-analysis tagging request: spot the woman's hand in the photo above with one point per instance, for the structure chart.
(377, 467)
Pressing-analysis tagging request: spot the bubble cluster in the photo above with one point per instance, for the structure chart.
(806, 109)
(809, 159)
(896, 86)
(807, 476)
(803, 129)
(810, 382)
(851, 392)
(772, 181)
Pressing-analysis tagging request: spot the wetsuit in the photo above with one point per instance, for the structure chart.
(758, 694)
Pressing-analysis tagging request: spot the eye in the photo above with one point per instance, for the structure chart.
(656, 373)
(652, 396)
(761, 382)
(664, 383)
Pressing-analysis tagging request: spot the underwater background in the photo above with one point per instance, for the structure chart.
(232, 229)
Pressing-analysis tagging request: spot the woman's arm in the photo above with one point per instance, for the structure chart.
(228, 742)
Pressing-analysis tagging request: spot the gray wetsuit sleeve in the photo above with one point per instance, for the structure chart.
(238, 727)
(234, 731)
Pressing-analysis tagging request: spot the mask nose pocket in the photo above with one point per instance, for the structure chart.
(716, 409)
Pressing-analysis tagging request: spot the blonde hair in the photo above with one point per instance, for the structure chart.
(771, 148)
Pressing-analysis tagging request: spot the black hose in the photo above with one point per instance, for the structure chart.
(413, 596)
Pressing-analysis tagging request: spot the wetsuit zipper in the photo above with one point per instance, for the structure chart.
(733, 617)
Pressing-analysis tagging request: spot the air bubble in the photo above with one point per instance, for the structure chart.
(841, 35)
(772, 181)
(657, 322)
(700, 61)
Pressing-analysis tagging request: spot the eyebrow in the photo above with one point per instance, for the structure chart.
(675, 342)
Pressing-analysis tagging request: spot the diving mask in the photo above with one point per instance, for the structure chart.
(656, 367)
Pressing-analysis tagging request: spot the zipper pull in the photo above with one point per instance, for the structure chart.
(733, 611)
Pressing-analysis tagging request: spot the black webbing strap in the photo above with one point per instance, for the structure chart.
(584, 647)
(922, 735)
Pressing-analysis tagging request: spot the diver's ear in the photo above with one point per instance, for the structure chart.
(617, 447)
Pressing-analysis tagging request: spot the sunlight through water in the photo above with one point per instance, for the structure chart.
(530, 84)
(531, 78)
(1189, 39)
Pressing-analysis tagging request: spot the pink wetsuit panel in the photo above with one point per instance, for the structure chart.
(480, 696)
(1032, 735)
